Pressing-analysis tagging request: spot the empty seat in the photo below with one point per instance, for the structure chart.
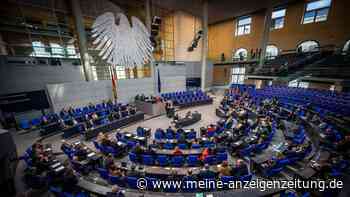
(147, 160)
(177, 161)
(162, 160)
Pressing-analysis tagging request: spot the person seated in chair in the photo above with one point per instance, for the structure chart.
(71, 111)
(94, 116)
(90, 124)
(170, 130)
(114, 171)
(80, 152)
(138, 150)
(74, 121)
(116, 115)
(115, 192)
(177, 152)
(107, 161)
(188, 114)
(182, 138)
(189, 175)
(224, 169)
(205, 153)
(124, 113)
(176, 117)
(65, 146)
(240, 169)
(132, 110)
(206, 172)
(69, 181)
(132, 172)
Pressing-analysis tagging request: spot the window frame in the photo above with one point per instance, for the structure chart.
(271, 57)
(238, 77)
(315, 11)
(304, 41)
(244, 26)
(273, 20)
(234, 54)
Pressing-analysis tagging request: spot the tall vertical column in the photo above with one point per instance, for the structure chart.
(265, 36)
(79, 25)
(204, 44)
(151, 63)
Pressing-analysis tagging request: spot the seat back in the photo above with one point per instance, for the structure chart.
(103, 173)
(177, 161)
(133, 157)
(221, 157)
(147, 160)
(132, 182)
(162, 160)
(192, 160)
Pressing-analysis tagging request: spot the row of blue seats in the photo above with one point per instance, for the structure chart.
(161, 135)
(258, 148)
(177, 160)
(101, 110)
(108, 149)
(132, 182)
(288, 160)
(182, 93)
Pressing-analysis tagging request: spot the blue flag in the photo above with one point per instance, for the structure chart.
(159, 83)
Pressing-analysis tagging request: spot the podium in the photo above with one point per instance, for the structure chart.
(151, 108)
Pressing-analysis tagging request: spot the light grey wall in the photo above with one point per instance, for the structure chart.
(193, 70)
(173, 77)
(80, 93)
(21, 75)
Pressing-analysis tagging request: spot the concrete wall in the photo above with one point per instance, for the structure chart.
(22, 77)
(335, 30)
(80, 93)
(194, 69)
(173, 77)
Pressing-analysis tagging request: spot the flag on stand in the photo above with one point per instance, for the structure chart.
(159, 83)
(114, 79)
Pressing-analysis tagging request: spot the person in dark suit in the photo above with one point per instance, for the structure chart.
(240, 169)
(80, 152)
(206, 173)
(69, 181)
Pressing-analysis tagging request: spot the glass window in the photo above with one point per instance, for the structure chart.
(240, 54)
(243, 25)
(238, 74)
(120, 70)
(321, 15)
(271, 52)
(316, 11)
(308, 46)
(39, 50)
(56, 50)
(71, 52)
(298, 84)
(277, 18)
(314, 5)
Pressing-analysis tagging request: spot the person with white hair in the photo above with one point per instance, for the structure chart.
(115, 192)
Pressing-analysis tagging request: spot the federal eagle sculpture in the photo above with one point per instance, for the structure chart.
(119, 43)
